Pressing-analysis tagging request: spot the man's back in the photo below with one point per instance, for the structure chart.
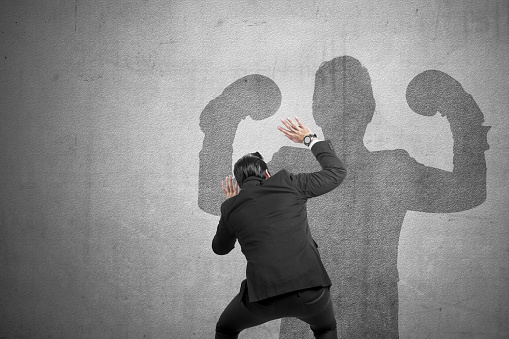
(269, 219)
(285, 276)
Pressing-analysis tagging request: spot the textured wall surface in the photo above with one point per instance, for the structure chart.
(118, 117)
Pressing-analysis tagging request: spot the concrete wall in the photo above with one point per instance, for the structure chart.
(105, 221)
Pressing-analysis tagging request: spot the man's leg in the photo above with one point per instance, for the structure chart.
(319, 314)
(313, 306)
(237, 317)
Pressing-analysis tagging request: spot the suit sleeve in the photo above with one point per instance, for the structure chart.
(332, 174)
(223, 241)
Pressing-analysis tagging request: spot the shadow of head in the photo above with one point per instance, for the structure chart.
(343, 97)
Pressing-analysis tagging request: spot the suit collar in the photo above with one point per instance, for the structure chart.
(252, 181)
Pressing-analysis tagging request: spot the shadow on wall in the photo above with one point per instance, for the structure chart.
(357, 225)
(254, 95)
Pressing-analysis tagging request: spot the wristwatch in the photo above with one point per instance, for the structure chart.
(308, 138)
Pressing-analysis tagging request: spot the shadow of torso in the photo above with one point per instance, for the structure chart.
(357, 229)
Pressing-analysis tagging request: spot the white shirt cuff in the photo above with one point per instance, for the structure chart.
(313, 142)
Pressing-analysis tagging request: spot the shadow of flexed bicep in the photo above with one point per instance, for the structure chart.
(439, 191)
(253, 95)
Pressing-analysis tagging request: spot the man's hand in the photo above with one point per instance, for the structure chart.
(228, 188)
(296, 131)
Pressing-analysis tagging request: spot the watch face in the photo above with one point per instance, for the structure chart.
(307, 139)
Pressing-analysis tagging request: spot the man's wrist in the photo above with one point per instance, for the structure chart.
(313, 141)
(308, 139)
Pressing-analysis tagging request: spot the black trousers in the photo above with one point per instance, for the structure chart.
(313, 306)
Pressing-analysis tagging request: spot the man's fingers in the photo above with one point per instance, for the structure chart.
(288, 124)
(295, 130)
(230, 182)
(229, 188)
(283, 130)
(294, 127)
(286, 133)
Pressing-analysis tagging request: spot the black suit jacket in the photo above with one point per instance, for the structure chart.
(269, 219)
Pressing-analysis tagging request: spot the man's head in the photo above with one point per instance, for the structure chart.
(250, 165)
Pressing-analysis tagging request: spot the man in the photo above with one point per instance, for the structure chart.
(285, 275)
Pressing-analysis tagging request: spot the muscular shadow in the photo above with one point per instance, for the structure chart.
(358, 225)
(253, 95)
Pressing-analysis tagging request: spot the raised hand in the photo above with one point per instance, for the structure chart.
(229, 189)
(296, 131)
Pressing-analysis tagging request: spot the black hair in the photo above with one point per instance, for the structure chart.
(249, 165)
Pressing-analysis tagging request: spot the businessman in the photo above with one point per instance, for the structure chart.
(285, 276)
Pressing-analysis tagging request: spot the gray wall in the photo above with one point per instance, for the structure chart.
(105, 221)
